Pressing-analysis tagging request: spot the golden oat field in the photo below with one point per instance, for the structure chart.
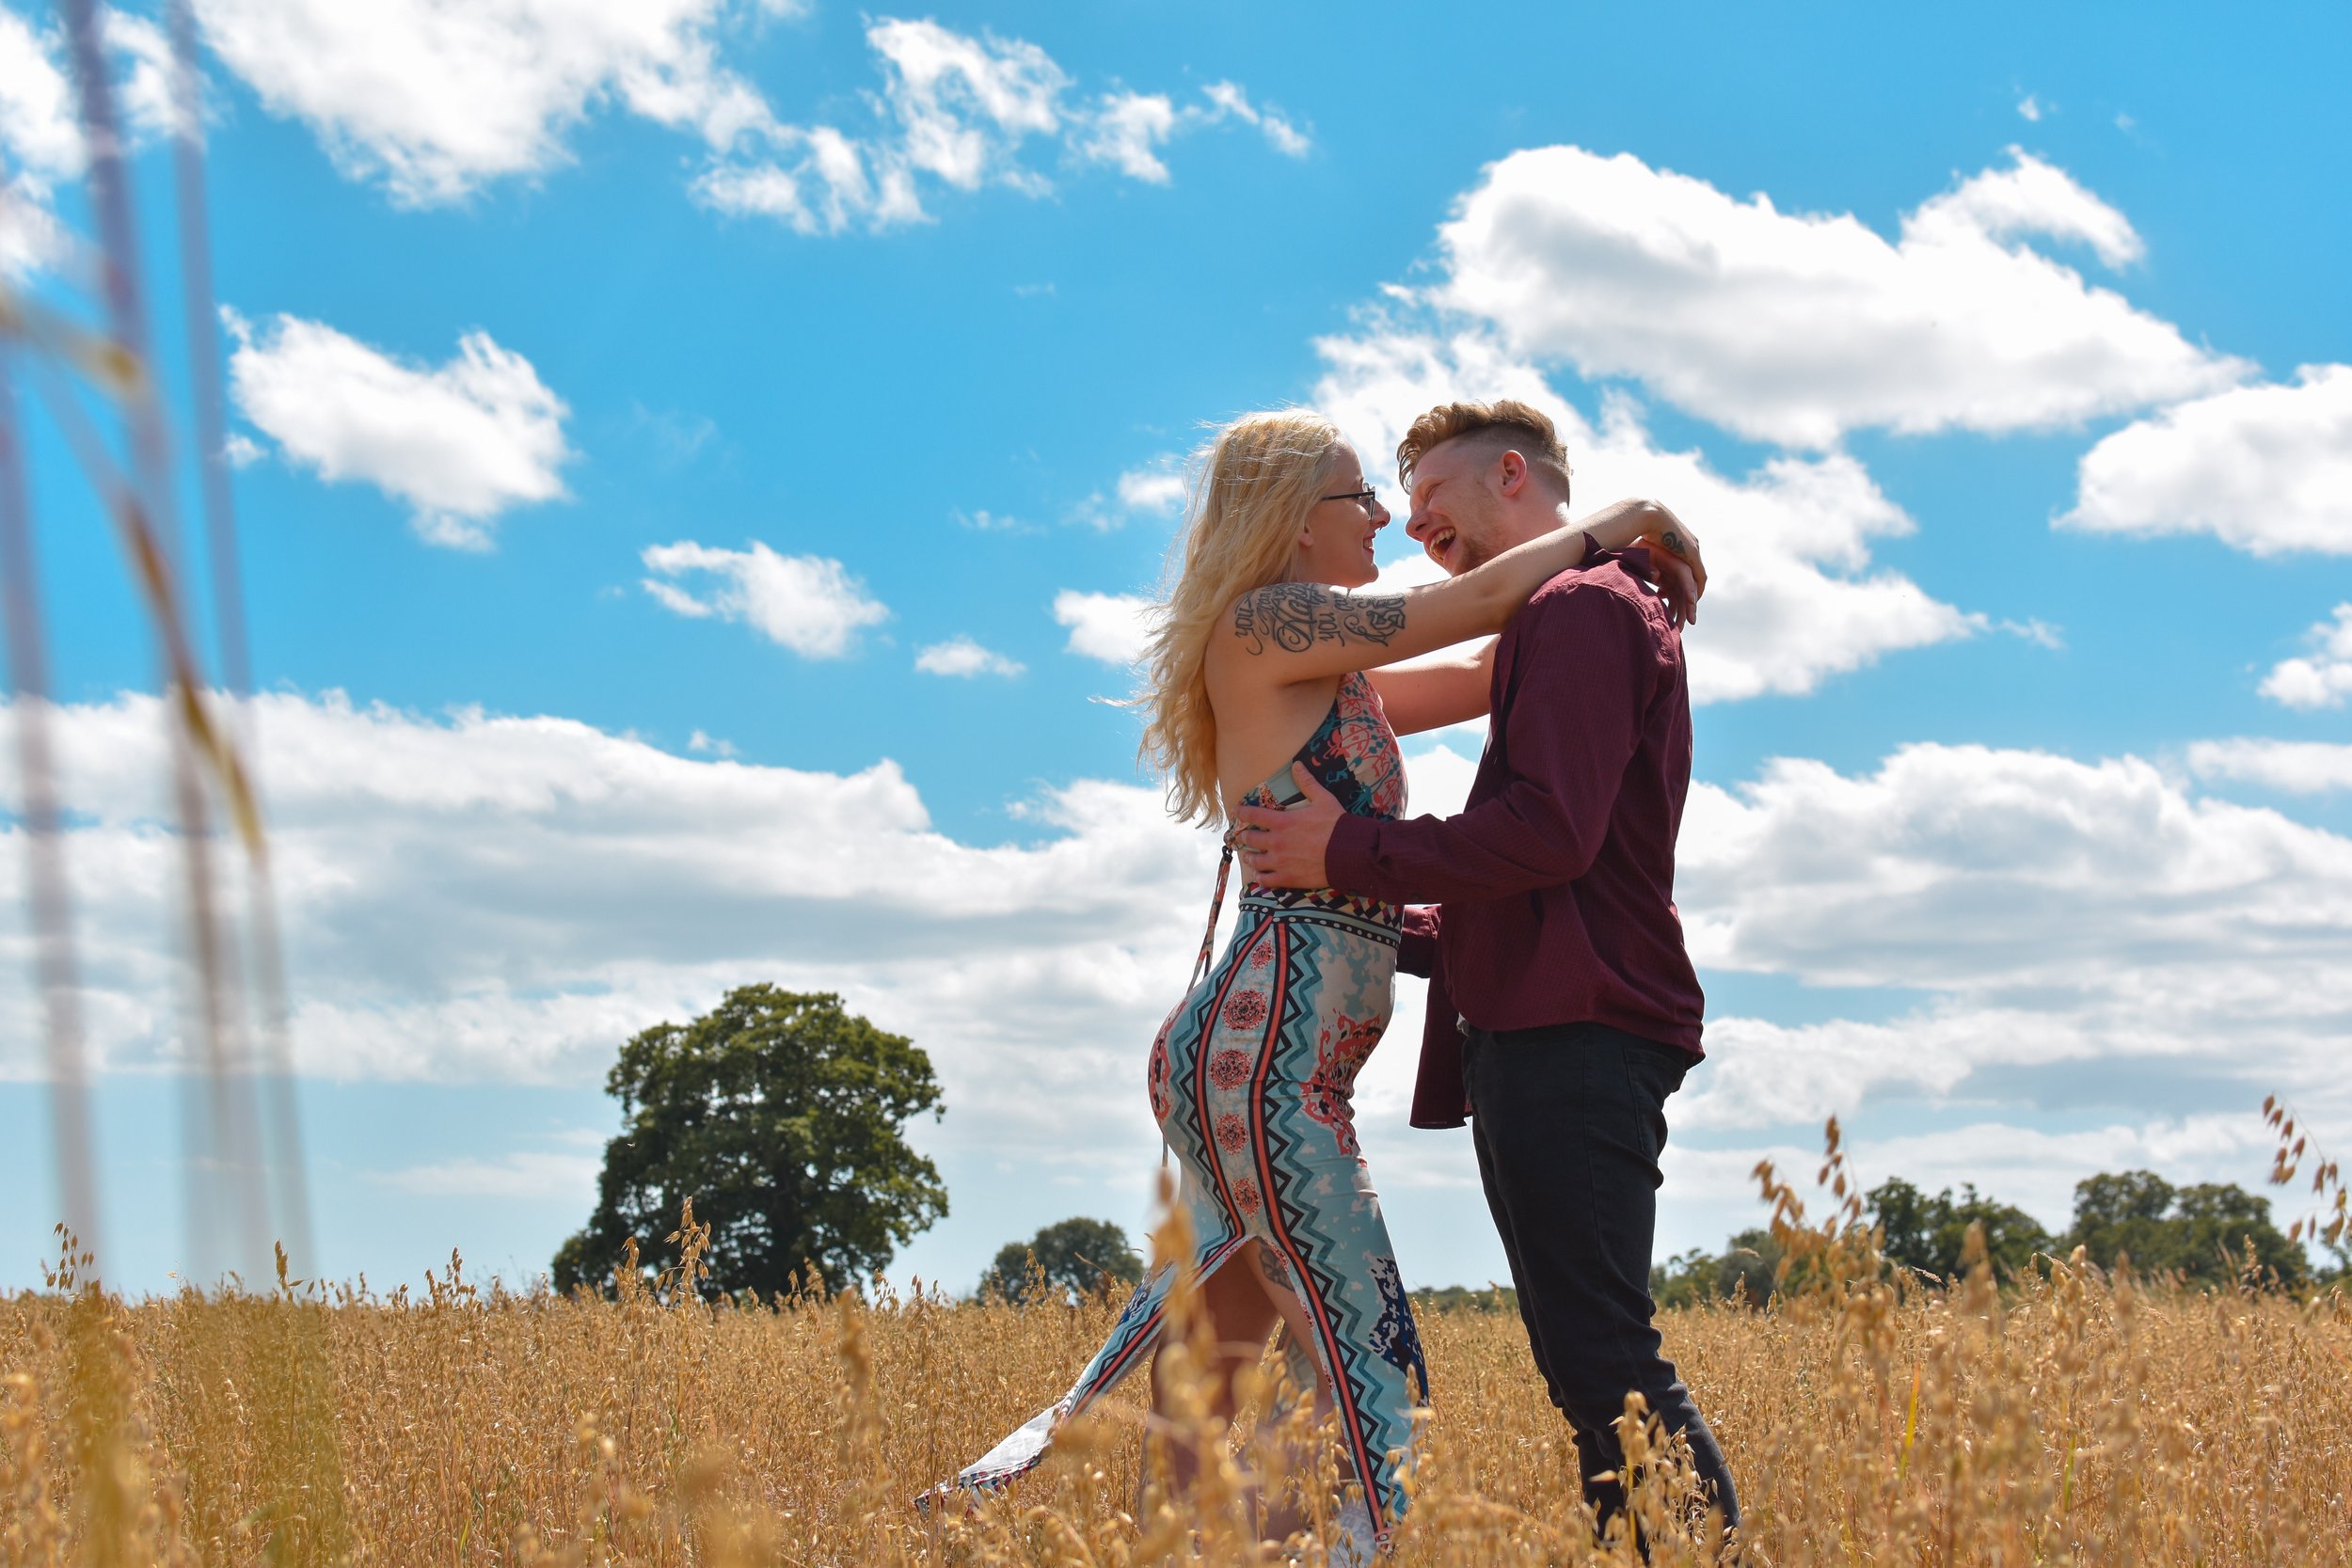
(2072, 1418)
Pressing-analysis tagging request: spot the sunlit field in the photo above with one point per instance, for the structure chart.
(2072, 1418)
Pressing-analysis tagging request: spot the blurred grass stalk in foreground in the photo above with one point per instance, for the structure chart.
(114, 1508)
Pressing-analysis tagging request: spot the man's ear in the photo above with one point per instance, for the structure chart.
(1512, 473)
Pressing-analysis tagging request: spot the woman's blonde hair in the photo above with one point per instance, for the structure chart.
(1254, 486)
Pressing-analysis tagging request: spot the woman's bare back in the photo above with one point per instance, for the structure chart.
(1260, 725)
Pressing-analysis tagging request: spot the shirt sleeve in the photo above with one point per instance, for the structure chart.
(1417, 953)
(1582, 677)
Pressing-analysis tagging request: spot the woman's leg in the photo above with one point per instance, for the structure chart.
(1240, 1317)
(1242, 1302)
(1288, 1427)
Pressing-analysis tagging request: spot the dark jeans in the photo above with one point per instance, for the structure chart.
(1568, 1122)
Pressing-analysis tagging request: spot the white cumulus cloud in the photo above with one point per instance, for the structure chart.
(1113, 628)
(806, 603)
(143, 73)
(2266, 468)
(1794, 328)
(961, 655)
(2323, 678)
(1793, 597)
(41, 128)
(461, 442)
(39, 123)
(31, 238)
(473, 897)
(2049, 910)
(433, 98)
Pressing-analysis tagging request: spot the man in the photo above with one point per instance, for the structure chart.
(1557, 941)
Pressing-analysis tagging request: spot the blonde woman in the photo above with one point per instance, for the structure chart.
(1264, 658)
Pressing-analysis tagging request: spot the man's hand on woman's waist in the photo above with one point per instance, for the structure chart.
(1285, 848)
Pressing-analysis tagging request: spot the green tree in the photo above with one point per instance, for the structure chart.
(1077, 1257)
(1930, 1234)
(1745, 1271)
(2200, 1231)
(780, 1114)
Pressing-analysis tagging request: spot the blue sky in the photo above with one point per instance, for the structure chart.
(1972, 346)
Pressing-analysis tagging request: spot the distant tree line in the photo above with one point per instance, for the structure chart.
(2203, 1234)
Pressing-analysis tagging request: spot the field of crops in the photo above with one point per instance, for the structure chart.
(2067, 1419)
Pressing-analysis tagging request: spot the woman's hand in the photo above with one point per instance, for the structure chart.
(1671, 535)
(1682, 575)
(1674, 551)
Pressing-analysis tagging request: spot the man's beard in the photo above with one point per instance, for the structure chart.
(1470, 554)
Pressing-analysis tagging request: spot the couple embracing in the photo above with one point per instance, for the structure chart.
(1562, 1007)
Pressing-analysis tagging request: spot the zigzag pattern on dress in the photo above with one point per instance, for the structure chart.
(1251, 1079)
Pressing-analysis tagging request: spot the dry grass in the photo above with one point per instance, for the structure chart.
(2070, 1420)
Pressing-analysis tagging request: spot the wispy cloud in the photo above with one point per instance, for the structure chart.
(806, 603)
(2295, 766)
(984, 521)
(961, 656)
(1157, 489)
(960, 111)
(1126, 129)
(524, 1176)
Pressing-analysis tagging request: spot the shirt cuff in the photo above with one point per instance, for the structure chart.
(1417, 948)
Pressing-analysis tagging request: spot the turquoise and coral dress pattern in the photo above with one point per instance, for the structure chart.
(1251, 1080)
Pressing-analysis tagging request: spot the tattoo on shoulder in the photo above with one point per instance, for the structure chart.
(1295, 616)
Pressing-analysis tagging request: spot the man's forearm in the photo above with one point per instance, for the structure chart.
(1491, 851)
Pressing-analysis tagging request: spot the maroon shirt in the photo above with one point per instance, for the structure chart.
(1556, 881)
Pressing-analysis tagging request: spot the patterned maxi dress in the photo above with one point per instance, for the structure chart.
(1251, 1081)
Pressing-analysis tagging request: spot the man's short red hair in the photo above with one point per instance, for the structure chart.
(1513, 425)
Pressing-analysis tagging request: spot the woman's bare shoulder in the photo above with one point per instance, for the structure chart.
(1292, 617)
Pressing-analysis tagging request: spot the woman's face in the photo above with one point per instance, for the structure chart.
(1336, 544)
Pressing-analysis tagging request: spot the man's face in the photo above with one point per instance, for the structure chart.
(1457, 515)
